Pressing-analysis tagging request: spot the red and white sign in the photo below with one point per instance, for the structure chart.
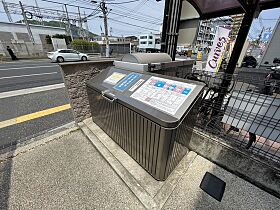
(217, 50)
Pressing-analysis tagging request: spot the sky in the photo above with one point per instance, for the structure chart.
(146, 14)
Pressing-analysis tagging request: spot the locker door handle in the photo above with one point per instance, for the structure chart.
(109, 96)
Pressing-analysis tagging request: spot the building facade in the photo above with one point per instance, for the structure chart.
(207, 30)
(236, 23)
(16, 36)
(273, 46)
(18, 32)
(149, 42)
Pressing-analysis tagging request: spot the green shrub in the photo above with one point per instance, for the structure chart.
(84, 45)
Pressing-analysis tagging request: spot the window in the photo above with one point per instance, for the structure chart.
(143, 37)
(143, 42)
(150, 42)
(72, 51)
(150, 37)
(64, 51)
(157, 41)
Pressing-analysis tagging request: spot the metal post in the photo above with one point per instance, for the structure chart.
(26, 23)
(68, 21)
(171, 24)
(179, 10)
(7, 11)
(86, 24)
(105, 12)
(164, 27)
(41, 19)
(80, 24)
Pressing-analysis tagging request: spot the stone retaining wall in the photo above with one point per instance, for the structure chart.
(75, 77)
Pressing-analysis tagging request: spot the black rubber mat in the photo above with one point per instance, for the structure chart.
(213, 186)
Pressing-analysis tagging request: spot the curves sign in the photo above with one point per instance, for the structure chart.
(217, 50)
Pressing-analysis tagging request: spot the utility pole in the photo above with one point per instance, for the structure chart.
(39, 11)
(105, 13)
(68, 21)
(260, 36)
(26, 23)
(81, 24)
(86, 24)
(7, 11)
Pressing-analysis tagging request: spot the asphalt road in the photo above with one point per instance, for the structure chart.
(22, 75)
(18, 80)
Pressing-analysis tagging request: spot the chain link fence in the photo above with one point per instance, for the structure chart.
(116, 49)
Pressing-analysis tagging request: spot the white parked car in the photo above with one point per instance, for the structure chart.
(62, 55)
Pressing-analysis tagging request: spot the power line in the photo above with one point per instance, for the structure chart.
(133, 25)
(128, 15)
(133, 18)
(122, 14)
(71, 5)
(124, 2)
(140, 16)
(122, 7)
(136, 12)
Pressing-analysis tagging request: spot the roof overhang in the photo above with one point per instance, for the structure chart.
(217, 8)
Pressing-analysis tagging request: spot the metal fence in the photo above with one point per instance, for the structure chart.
(244, 113)
(116, 49)
(85, 48)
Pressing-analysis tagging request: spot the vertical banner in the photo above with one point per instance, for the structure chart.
(217, 50)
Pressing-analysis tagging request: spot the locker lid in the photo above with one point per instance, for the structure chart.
(145, 58)
(162, 99)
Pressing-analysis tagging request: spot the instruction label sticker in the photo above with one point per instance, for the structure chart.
(114, 78)
(163, 94)
(136, 85)
(127, 81)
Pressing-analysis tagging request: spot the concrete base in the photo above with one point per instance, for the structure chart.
(71, 170)
(152, 193)
(181, 189)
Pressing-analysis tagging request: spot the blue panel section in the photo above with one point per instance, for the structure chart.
(126, 82)
(160, 84)
(266, 36)
(171, 87)
(186, 91)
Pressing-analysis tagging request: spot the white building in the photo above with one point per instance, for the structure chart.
(273, 47)
(18, 31)
(16, 36)
(112, 39)
(149, 42)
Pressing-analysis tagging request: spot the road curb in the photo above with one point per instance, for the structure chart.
(32, 143)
